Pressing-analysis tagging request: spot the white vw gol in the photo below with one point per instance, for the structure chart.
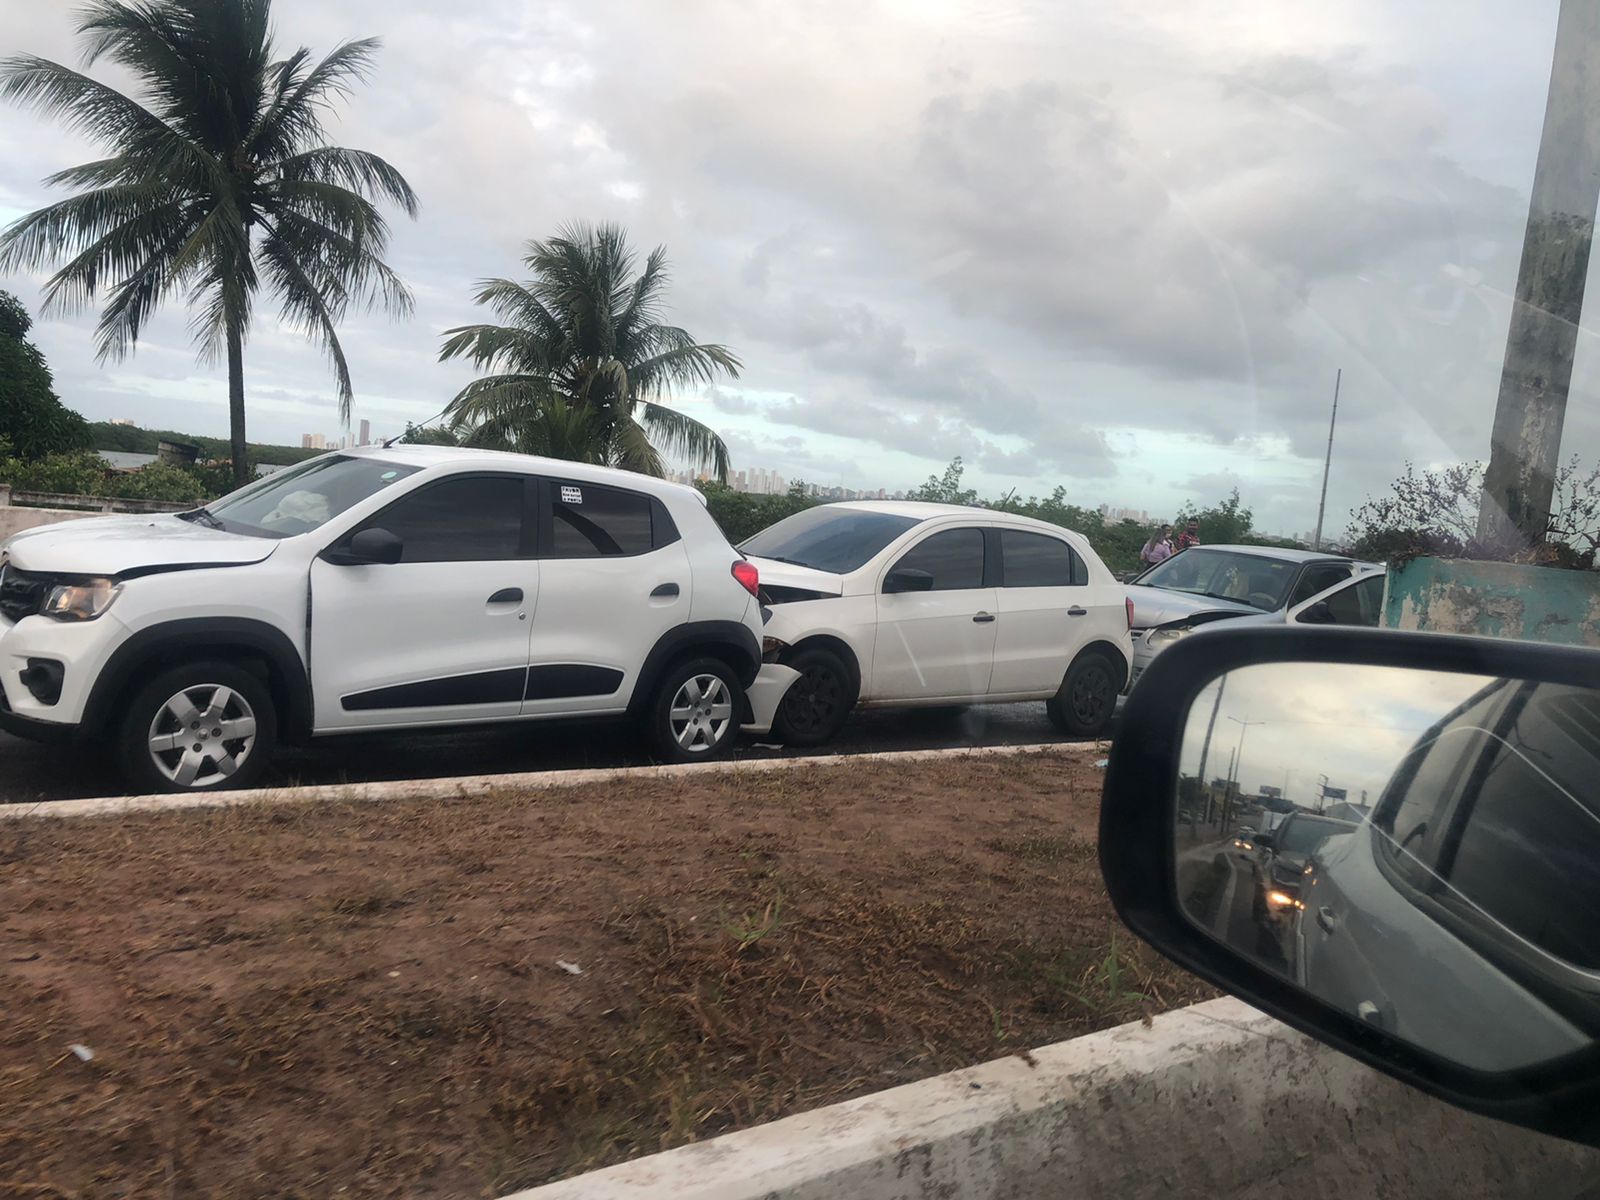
(889, 603)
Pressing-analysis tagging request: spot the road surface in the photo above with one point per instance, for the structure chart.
(30, 772)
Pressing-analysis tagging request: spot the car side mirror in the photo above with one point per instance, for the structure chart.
(1433, 908)
(908, 579)
(368, 546)
(1262, 840)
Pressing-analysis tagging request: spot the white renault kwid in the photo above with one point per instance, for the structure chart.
(379, 588)
(879, 603)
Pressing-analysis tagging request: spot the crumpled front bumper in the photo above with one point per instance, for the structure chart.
(772, 682)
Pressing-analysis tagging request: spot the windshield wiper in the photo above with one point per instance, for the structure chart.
(202, 516)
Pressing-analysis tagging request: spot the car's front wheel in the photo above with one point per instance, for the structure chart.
(204, 726)
(1087, 700)
(694, 716)
(816, 705)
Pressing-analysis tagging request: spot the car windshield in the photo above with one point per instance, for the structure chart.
(302, 498)
(1226, 575)
(829, 538)
(1302, 834)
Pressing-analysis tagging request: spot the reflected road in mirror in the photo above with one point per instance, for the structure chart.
(1419, 849)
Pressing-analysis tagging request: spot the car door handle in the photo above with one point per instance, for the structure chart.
(1326, 920)
(983, 618)
(507, 596)
(664, 590)
(1077, 612)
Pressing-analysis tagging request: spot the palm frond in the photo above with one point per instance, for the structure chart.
(77, 222)
(295, 118)
(343, 264)
(683, 363)
(685, 439)
(365, 173)
(631, 450)
(303, 302)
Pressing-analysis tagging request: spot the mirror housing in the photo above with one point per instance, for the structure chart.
(907, 579)
(375, 546)
(1140, 860)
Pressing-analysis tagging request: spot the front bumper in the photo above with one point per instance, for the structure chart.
(79, 647)
(772, 682)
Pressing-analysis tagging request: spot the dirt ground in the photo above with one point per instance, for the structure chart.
(463, 998)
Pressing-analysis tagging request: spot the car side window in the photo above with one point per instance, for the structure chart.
(1359, 604)
(954, 558)
(1035, 560)
(1317, 579)
(591, 521)
(467, 518)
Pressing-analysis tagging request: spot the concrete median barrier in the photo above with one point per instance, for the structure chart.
(1217, 1100)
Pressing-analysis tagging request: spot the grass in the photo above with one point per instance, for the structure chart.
(367, 1000)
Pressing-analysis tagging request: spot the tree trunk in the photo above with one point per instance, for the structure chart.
(1526, 439)
(241, 455)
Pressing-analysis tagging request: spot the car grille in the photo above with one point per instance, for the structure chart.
(22, 594)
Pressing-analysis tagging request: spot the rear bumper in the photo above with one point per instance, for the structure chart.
(765, 694)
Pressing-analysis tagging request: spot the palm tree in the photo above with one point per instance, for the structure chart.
(217, 183)
(583, 357)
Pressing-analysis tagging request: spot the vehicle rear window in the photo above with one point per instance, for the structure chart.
(1302, 835)
(589, 521)
(1035, 560)
(830, 537)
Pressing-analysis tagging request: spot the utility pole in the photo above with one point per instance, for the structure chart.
(1525, 444)
(1327, 463)
(1238, 765)
(1202, 787)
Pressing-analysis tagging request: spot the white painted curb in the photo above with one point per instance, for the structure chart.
(1217, 1100)
(456, 786)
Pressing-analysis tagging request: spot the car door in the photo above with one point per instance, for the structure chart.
(442, 635)
(1317, 577)
(1358, 602)
(614, 577)
(936, 644)
(1048, 611)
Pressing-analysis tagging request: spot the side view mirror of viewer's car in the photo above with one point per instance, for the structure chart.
(368, 546)
(1429, 901)
(908, 579)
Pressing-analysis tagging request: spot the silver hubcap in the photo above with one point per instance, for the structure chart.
(202, 735)
(701, 713)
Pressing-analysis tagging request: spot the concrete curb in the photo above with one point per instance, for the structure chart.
(456, 786)
(1213, 1100)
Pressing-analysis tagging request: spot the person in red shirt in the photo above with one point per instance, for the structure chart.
(1190, 536)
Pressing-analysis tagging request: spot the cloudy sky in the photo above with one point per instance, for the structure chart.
(1118, 247)
(1287, 725)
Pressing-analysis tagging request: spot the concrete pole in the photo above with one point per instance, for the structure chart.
(1327, 463)
(1526, 440)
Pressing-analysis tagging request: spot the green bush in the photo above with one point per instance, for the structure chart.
(81, 473)
(158, 481)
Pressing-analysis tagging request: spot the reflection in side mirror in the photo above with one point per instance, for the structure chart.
(369, 546)
(1437, 872)
(908, 579)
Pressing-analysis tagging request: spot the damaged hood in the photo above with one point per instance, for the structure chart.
(1158, 606)
(123, 545)
(781, 577)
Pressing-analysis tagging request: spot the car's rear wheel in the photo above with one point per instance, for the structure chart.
(205, 726)
(817, 704)
(1087, 701)
(695, 714)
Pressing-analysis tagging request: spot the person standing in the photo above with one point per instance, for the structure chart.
(1158, 548)
(1191, 535)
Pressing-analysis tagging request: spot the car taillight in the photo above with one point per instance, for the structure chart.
(1128, 604)
(745, 572)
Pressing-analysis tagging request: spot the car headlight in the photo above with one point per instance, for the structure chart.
(83, 601)
(1160, 639)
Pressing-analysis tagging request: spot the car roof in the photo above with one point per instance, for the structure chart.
(533, 464)
(1282, 553)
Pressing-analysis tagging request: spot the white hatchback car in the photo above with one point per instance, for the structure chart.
(380, 588)
(882, 603)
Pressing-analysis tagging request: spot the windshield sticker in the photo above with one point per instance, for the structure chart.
(571, 495)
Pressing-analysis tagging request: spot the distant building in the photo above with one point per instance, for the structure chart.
(313, 441)
(125, 421)
(366, 433)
